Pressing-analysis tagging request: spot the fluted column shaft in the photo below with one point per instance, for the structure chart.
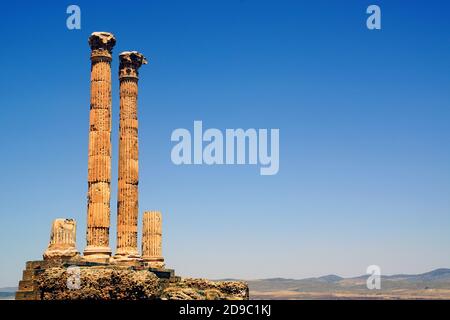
(99, 163)
(152, 239)
(128, 178)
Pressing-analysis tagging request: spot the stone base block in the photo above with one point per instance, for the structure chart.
(68, 253)
(47, 280)
(97, 254)
(157, 263)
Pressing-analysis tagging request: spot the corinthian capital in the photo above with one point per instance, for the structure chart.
(130, 62)
(101, 44)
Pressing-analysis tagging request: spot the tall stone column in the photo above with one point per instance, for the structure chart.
(127, 199)
(152, 239)
(99, 164)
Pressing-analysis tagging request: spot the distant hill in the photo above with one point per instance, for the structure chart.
(434, 284)
(435, 275)
(330, 278)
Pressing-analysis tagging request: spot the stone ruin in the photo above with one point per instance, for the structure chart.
(64, 273)
(62, 240)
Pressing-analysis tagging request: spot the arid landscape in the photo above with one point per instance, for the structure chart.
(431, 285)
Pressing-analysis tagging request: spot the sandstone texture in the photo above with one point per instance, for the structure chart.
(202, 289)
(99, 284)
(152, 239)
(119, 283)
(62, 240)
(99, 160)
(128, 176)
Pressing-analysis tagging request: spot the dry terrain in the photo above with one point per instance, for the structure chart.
(430, 285)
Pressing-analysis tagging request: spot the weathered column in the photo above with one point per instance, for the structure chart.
(152, 239)
(62, 240)
(127, 198)
(99, 164)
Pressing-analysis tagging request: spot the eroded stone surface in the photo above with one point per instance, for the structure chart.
(202, 289)
(128, 177)
(99, 283)
(120, 283)
(130, 62)
(101, 43)
(152, 239)
(62, 240)
(99, 161)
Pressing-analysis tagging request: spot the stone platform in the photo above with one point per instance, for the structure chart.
(50, 280)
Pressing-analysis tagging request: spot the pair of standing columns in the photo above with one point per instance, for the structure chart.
(99, 163)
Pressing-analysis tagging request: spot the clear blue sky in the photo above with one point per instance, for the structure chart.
(363, 116)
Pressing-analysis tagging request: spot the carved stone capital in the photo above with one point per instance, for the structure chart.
(130, 62)
(101, 44)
